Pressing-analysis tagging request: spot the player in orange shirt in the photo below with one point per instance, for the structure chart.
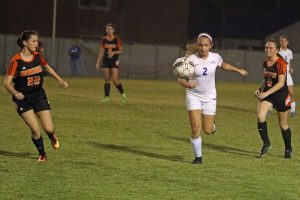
(24, 80)
(108, 59)
(274, 93)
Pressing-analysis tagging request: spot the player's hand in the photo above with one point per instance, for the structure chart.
(64, 83)
(111, 54)
(243, 72)
(191, 84)
(256, 93)
(98, 67)
(291, 70)
(19, 95)
(262, 95)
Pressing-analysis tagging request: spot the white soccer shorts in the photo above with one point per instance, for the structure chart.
(208, 107)
(289, 79)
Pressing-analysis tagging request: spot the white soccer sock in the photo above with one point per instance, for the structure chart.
(196, 143)
(293, 106)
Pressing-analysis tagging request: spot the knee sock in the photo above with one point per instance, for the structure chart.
(263, 131)
(50, 135)
(107, 89)
(39, 145)
(120, 88)
(287, 136)
(196, 143)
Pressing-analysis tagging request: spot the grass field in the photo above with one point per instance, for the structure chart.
(141, 150)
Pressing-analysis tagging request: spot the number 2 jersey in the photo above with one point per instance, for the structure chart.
(27, 75)
(205, 71)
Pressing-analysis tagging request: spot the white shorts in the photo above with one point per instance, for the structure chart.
(194, 102)
(289, 79)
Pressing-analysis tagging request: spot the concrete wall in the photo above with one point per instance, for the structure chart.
(140, 61)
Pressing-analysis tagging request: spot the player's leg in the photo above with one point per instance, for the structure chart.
(262, 110)
(31, 121)
(47, 124)
(208, 116)
(195, 122)
(106, 76)
(286, 133)
(115, 79)
(290, 84)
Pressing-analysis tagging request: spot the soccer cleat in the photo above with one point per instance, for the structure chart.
(293, 114)
(105, 99)
(215, 129)
(288, 153)
(124, 98)
(265, 149)
(54, 142)
(197, 160)
(42, 158)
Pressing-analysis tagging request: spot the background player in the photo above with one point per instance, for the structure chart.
(24, 80)
(108, 58)
(287, 54)
(201, 91)
(274, 94)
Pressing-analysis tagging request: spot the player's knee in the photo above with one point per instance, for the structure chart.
(261, 117)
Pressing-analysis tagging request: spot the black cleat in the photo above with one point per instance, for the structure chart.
(288, 153)
(198, 160)
(265, 149)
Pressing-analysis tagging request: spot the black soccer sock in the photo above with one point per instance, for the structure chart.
(287, 136)
(107, 89)
(263, 131)
(50, 135)
(39, 144)
(120, 88)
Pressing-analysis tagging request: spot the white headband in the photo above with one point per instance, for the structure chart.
(206, 35)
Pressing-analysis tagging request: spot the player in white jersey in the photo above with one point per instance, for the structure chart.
(201, 91)
(287, 54)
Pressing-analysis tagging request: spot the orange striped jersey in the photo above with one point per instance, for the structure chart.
(110, 45)
(27, 75)
(271, 74)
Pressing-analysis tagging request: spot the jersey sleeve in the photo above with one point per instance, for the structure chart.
(43, 60)
(292, 56)
(12, 69)
(219, 60)
(119, 42)
(101, 42)
(281, 68)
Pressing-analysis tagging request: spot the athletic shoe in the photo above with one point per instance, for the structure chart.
(288, 153)
(265, 149)
(124, 98)
(198, 160)
(293, 114)
(54, 142)
(105, 99)
(42, 158)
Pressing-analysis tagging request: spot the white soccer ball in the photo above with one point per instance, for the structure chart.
(183, 68)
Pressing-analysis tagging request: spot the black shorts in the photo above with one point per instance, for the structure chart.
(37, 101)
(110, 63)
(281, 101)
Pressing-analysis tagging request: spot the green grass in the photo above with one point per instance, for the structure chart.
(141, 150)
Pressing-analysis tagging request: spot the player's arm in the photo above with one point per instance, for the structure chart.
(100, 57)
(187, 84)
(275, 88)
(56, 76)
(228, 67)
(260, 89)
(10, 88)
(291, 67)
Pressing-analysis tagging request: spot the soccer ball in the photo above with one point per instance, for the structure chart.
(183, 68)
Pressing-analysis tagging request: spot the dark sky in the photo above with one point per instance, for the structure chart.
(245, 19)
